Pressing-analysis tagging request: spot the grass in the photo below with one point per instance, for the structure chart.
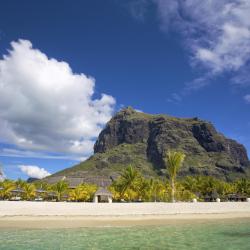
(113, 162)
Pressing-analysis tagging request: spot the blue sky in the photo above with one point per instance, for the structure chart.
(66, 67)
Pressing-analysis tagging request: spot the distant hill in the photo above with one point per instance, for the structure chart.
(142, 140)
(31, 179)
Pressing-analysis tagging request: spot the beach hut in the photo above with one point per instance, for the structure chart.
(40, 194)
(52, 196)
(103, 195)
(212, 196)
(236, 197)
(17, 194)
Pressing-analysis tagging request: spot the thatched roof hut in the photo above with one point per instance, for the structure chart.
(236, 197)
(17, 194)
(104, 192)
(41, 191)
(52, 195)
(103, 195)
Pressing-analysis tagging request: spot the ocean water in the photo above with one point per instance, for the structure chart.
(213, 235)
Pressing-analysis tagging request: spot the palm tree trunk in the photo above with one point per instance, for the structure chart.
(172, 190)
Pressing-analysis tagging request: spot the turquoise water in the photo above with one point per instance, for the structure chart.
(220, 235)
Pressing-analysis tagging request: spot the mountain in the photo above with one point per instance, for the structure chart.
(142, 140)
(32, 179)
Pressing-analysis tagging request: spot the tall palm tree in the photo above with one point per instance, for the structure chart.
(61, 188)
(173, 162)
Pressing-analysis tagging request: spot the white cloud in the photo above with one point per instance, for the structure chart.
(45, 106)
(247, 98)
(17, 153)
(217, 32)
(216, 35)
(34, 171)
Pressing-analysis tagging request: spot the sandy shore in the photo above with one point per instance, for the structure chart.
(23, 214)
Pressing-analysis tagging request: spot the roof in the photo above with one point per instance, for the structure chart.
(237, 196)
(104, 192)
(74, 181)
(41, 191)
(18, 190)
(52, 193)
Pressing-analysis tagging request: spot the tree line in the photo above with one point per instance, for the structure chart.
(132, 186)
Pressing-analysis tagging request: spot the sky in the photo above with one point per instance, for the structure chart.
(67, 66)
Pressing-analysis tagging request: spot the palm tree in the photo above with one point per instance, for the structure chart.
(242, 186)
(173, 162)
(20, 183)
(42, 185)
(7, 187)
(142, 188)
(83, 192)
(60, 188)
(190, 183)
(77, 194)
(29, 191)
(156, 189)
(128, 182)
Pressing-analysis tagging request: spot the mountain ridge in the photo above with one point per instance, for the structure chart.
(141, 139)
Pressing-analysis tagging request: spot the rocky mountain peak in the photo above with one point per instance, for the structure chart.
(203, 145)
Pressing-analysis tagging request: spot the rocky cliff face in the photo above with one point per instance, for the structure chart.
(208, 152)
(142, 140)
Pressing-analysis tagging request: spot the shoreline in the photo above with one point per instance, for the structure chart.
(70, 222)
(39, 215)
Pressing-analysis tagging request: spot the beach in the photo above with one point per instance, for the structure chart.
(25, 214)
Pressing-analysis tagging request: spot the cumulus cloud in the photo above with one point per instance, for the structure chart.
(44, 105)
(34, 171)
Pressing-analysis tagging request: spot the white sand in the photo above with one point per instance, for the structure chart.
(66, 214)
